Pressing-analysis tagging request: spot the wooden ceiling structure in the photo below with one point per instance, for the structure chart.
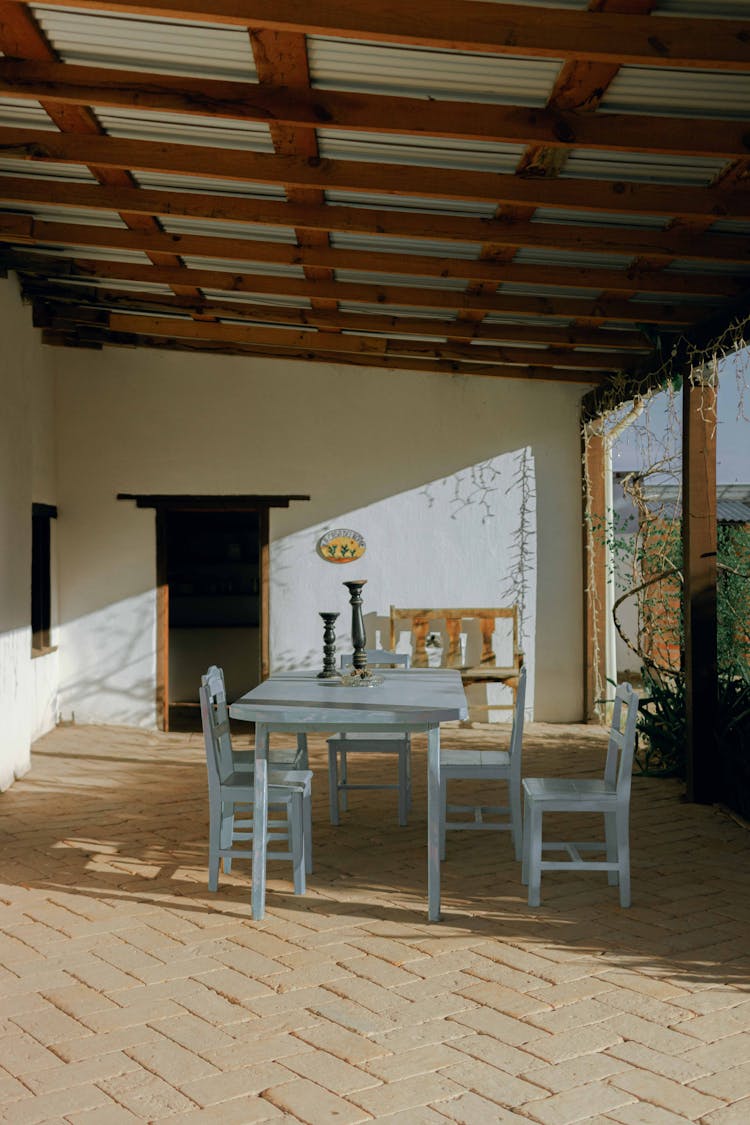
(546, 192)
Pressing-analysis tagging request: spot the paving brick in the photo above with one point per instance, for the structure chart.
(571, 1017)
(146, 1095)
(641, 1113)
(409, 1093)
(20, 1054)
(575, 1072)
(331, 1072)
(736, 1114)
(493, 1084)
(726, 1052)
(175, 1064)
(566, 1045)
(103, 1115)
(339, 1041)
(239, 1111)
(471, 1109)
(514, 1060)
(677, 1067)
(666, 1094)
(308, 1102)
(217, 1088)
(730, 1085)
(83, 1073)
(420, 1060)
(506, 1000)
(49, 1107)
(719, 1025)
(584, 1103)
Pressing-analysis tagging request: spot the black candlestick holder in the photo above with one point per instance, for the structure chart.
(359, 638)
(329, 647)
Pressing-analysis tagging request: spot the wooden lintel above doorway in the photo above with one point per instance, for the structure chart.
(208, 503)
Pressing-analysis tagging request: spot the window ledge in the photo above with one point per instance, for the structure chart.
(35, 652)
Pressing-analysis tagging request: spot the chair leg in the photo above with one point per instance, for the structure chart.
(214, 844)
(526, 844)
(297, 841)
(307, 814)
(333, 785)
(344, 779)
(623, 856)
(408, 769)
(226, 833)
(535, 815)
(516, 822)
(301, 761)
(610, 835)
(403, 788)
(443, 804)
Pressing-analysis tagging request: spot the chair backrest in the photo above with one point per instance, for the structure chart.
(380, 657)
(621, 747)
(215, 721)
(516, 733)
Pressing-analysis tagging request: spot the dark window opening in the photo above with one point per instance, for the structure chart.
(41, 582)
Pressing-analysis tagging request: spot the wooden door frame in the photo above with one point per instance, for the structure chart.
(165, 505)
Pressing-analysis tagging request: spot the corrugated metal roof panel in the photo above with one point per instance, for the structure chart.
(377, 68)
(641, 167)
(258, 231)
(381, 243)
(368, 308)
(388, 335)
(710, 9)
(165, 181)
(598, 219)
(508, 342)
(93, 252)
(186, 128)
(271, 299)
(366, 277)
(730, 227)
(148, 43)
(433, 152)
(273, 269)
(691, 265)
(532, 255)
(509, 288)
(529, 321)
(265, 324)
(52, 170)
(77, 215)
(372, 201)
(674, 92)
(25, 113)
(681, 298)
(116, 283)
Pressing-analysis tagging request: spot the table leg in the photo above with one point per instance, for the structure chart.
(260, 821)
(433, 823)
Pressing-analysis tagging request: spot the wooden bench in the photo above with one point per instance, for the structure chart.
(420, 622)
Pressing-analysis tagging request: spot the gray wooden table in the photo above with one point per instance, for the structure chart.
(418, 700)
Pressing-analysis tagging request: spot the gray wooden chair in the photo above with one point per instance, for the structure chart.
(609, 795)
(232, 797)
(489, 766)
(341, 745)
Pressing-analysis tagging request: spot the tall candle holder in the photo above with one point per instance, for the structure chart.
(359, 638)
(329, 647)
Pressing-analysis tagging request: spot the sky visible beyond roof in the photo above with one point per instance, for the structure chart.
(656, 434)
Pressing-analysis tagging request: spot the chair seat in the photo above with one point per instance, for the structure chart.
(373, 738)
(474, 759)
(565, 791)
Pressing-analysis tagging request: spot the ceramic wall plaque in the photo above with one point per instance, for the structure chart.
(341, 545)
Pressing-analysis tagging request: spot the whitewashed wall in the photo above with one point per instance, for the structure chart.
(373, 449)
(28, 688)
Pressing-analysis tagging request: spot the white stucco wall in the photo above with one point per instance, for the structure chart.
(373, 449)
(28, 688)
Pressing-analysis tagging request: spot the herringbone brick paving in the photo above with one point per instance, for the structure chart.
(129, 993)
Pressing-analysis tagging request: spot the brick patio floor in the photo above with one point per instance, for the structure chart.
(129, 993)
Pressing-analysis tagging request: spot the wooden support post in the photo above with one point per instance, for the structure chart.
(594, 571)
(699, 544)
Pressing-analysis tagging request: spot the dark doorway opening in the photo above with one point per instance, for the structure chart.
(213, 575)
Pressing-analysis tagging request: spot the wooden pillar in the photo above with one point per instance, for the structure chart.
(699, 546)
(594, 571)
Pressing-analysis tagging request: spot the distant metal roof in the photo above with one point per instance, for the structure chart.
(186, 128)
(678, 93)
(435, 152)
(380, 243)
(641, 167)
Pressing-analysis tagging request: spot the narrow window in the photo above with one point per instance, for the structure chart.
(41, 585)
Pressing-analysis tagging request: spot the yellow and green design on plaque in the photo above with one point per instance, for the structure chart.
(341, 545)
